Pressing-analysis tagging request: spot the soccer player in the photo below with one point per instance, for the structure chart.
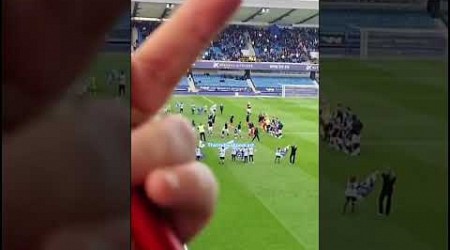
(210, 127)
(355, 144)
(198, 153)
(239, 129)
(193, 125)
(249, 108)
(225, 130)
(122, 83)
(233, 154)
(247, 118)
(245, 154)
(251, 152)
(231, 120)
(278, 155)
(293, 154)
(387, 190)
(255, 134)
(201, 130)
(222, 155)
(221, 108)
(193, 109)
(351, 193)
(181, 107)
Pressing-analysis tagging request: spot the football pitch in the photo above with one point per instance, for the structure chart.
(263, 205)
(403, 105)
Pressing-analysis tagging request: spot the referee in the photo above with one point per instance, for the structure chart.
(387, 190)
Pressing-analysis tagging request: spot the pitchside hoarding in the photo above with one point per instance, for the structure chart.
(266, 66)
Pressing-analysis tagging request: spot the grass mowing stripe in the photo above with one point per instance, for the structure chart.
(277, 198)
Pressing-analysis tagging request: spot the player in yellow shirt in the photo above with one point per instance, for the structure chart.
(201, 130)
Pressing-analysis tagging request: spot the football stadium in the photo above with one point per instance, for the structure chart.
(381, 59)
(260, 73)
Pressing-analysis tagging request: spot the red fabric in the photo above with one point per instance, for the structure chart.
(149, 231)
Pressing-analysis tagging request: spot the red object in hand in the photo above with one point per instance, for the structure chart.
(148, 228)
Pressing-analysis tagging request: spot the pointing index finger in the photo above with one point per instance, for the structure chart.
(160, 62)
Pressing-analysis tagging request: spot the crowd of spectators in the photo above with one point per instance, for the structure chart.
(269, 43)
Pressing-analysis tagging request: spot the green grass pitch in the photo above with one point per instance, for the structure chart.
(263, 205)
(403, 105)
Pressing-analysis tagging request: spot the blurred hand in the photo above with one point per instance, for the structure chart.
(65, 169)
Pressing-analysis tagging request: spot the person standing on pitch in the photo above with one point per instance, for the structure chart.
(293, 154)
(122, 83)
(221, 108)
(255, 134)
(201, 130)
(387, 190)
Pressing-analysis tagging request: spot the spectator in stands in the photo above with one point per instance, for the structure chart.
(271, 44)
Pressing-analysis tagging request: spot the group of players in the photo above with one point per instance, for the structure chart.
(274, 126)
(243, 153)
(341, 129)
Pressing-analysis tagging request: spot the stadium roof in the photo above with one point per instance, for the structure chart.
(283, 12)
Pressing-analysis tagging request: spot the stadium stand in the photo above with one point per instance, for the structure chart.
(270, 43)
(220, 82)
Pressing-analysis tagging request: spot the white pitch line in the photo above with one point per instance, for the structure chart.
(209, 100)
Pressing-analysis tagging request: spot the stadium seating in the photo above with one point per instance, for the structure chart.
(183, 85)
(213, 81)
(270, 43)
(263, 82)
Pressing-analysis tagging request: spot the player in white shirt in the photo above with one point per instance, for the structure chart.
(245, 154)
(198, 153)
(213, 109)
(222, 155)
(251, 152)
(351, 194)
(278, 155)
(233, 153)
(356, 144)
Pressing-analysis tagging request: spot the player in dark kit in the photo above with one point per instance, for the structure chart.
(293, 154)
(122, 83)
(247, 118)
(255, 134)
(181, 107)
(231, 120)
(387, 190)
(221, 108)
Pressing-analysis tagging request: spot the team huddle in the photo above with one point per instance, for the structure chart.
(341, 129)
